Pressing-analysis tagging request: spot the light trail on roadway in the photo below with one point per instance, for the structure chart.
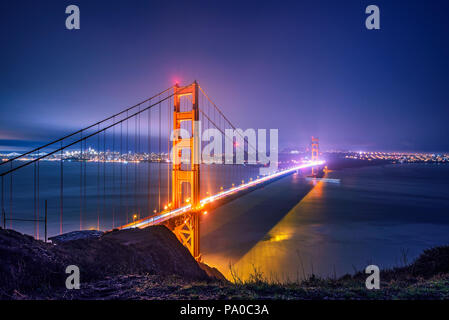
(158, 218)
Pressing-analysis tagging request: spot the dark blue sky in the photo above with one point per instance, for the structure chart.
(306, 67)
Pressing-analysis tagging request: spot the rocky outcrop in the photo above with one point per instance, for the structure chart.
(28, 265)
(76, 235)
(212, 272)
(153, 250)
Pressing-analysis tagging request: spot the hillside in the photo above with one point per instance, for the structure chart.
(152, 264)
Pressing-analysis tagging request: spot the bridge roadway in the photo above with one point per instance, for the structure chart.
(165, 215)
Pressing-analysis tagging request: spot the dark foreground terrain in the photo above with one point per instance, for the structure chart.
(152, 264)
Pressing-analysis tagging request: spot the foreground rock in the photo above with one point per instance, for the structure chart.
(28, 266)
(76, 235)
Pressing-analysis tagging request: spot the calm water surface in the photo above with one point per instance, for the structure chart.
(100, 195)
(287, 229)
(291, 228)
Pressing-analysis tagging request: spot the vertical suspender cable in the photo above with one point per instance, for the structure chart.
(136, 159)
(159, 158)
(3, 203)
(127, 167)
(81, 182)
(38, 194)
(135, 167)
(61, 204)
(10, 198)
(121, 169)
(139, 166)
(104, 181)
(149, 161)
(98, 172)
(85, 178)
(168, 151)
(35, 199)
(113, 174)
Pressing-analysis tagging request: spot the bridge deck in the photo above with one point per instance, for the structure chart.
(163, 216)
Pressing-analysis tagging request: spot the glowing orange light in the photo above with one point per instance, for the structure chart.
(205, 212)
(279, 237)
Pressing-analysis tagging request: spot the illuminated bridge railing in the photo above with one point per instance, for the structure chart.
(170, 214)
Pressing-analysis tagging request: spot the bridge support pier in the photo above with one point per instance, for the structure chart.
(188, 233)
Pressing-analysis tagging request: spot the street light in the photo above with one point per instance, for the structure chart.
(134, 218)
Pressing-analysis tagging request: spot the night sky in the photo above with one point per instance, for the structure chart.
(307, 67)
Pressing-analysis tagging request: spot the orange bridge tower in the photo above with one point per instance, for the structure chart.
(186, 177)
(315, 152)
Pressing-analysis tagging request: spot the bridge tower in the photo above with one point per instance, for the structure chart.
(315, 152)
(187, 227)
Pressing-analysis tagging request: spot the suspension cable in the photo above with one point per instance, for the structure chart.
(84, 129)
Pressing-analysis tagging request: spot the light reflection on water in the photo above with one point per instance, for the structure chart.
(374, 215)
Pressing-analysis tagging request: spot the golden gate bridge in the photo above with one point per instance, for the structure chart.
(124, 174)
